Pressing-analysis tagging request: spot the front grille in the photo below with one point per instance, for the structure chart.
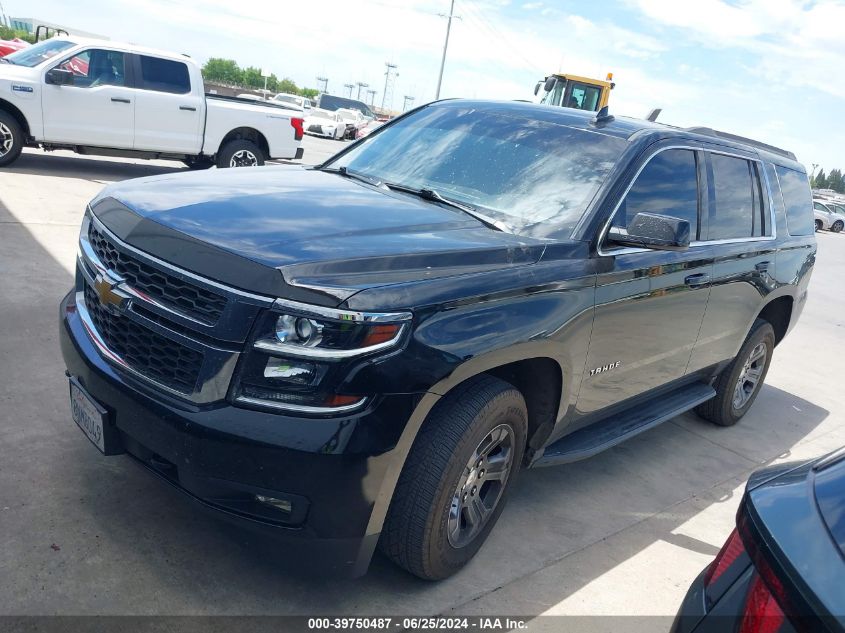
(154, 356)
(198, 303)
(315, 128)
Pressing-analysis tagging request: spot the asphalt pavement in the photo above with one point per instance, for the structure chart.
(623, 533)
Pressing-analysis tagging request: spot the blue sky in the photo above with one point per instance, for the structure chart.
(770, 69)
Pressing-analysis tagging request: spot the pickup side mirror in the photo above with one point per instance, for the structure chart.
(550, 83)
(537, 88)
(59, 77)
(650, 230)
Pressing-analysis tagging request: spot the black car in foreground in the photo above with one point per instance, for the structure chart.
(367, 352)
(782, 570)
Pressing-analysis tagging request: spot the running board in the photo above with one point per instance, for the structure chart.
(600, 436)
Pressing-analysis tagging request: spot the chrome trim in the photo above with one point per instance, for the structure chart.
(301, 408)
(109, 355)
(299, 351)
(340, 315)
(697, 243)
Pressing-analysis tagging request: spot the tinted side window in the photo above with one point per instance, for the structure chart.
(164, 75)
(667, 185)
(737, 210)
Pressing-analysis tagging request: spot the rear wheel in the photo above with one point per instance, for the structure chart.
(837, 226)
(739, 383)
(454, 483)
(240, 153)
(11, 139)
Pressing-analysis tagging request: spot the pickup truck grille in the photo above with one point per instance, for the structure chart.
(158, 358)
(197, 303)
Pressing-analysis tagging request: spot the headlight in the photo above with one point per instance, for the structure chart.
(300, 352)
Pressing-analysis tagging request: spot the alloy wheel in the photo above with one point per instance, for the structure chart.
(243, 158)
(481, 486)
(7, 139)
(749, 378)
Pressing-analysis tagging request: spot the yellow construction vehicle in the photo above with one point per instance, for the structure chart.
(572, 91)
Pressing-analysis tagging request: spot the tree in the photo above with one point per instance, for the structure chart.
(835, 181)
(251, 77)
(287, 85)
(9, 34)
(820, 180)
(310, 93)
(222, 70)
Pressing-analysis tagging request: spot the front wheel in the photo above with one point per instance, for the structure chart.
(240, 153)
(739, 383)
(837, 226)
(454, 483)
(11, 139)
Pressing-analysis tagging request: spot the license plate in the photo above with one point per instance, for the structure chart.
(88, 415)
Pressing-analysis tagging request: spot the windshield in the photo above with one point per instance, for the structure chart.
(288, 99)
(39, 53)
(535, 176)
(330, 102)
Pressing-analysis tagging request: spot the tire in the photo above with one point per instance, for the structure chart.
(240, 150)
(199, 163)
(727, 408)
(11, 139)
(837, 226)
(819, 225)
(427, 503)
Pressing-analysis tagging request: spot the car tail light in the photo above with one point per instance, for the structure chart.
(762, 613)
(727, 556)
(298, 126)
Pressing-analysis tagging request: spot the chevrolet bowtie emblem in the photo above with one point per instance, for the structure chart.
(110, 298)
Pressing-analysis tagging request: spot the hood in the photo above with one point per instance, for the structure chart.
(320, 230)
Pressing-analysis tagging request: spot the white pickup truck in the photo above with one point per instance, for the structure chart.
(100, 97)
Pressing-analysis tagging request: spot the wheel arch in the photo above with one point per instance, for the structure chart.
(16, 113)
(524, 364)
(247, 134)
(778, 312)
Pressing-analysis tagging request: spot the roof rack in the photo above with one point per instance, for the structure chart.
(706, 131)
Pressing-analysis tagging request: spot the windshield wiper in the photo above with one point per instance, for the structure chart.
(434, 196)
(345, 171)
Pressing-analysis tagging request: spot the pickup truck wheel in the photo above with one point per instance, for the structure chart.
(11, 139)
(837, 226)
(240, 153)
(739, 383)
(454, 483)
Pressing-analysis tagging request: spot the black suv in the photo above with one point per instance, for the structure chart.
(367, 352)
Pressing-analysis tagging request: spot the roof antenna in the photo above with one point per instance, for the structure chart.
(653, 114)
(602, 117)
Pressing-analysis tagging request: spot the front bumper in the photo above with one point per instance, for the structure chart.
(332, 471)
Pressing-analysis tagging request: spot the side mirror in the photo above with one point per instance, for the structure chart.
(537, 88)
(59, 77)
(550, 83)
(650, 230)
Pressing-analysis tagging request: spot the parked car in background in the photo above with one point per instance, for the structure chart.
(7, 47)
(102, 97)
(368, 352)
(369, 128)
(332, 103)
(303, 103)
(782, 570)
(251, 97)
(826, 218)
(353, 119)
(321, 122)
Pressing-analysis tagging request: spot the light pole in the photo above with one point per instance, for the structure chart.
(325, 82)
(350, 86)
(445, 46)
(361, 84)
(390, 68)
(408, 99)
(372, 95)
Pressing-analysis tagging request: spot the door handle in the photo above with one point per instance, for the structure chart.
(696, 281)
(119, 100)
(762, 267)
(188, 108)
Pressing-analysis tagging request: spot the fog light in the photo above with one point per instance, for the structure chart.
(280, 504)
(290, 371)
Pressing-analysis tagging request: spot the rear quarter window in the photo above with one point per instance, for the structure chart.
(164, 75)
(797, 199)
